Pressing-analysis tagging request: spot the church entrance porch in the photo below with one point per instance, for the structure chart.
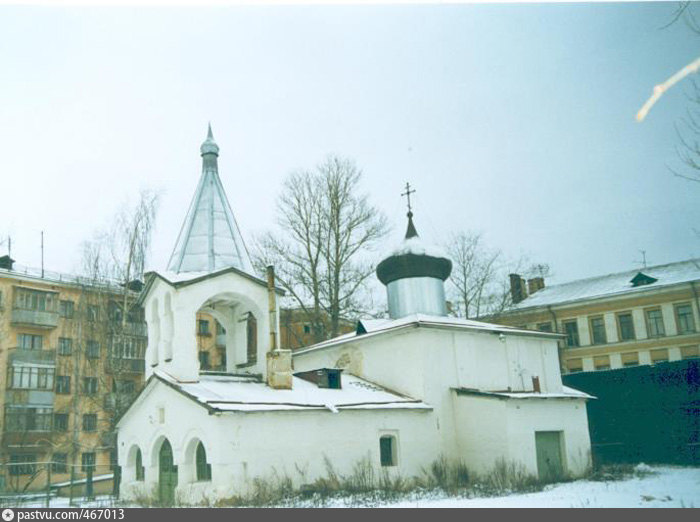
(167, 474)
(548, 445)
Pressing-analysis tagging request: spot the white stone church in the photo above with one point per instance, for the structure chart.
(403, 391)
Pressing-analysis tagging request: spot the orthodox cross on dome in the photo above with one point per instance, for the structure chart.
(411, 230)
(408, 197)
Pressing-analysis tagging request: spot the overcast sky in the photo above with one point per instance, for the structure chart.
(513, 120)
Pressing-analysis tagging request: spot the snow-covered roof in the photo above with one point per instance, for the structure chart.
(566, 393)
(371, 327)
(209, 238)
(229, 393)
(613, 284)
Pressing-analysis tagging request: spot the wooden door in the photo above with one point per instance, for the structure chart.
(548, 446)
(167, 474)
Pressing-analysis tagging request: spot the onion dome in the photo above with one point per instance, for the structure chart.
(414, 276)
(209, 146)
(413, 258)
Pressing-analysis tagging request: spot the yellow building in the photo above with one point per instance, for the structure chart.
(637, 317)
(72, 361)
(296, 328)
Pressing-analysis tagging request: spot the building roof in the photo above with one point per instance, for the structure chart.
(231, 393)
(371, 327)
(614, 284)
(566, 393)
(209, 239)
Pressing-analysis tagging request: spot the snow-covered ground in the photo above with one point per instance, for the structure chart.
(663, 487)
(657, 487)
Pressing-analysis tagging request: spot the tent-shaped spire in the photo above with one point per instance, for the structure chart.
(209, 239)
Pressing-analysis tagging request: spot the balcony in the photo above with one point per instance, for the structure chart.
(43, 357)
(35, 318)
(129, 329)
(115, 365)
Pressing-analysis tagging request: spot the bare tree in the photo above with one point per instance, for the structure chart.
(474, 273)
(327, 227)
(479, 281)
(107, 364)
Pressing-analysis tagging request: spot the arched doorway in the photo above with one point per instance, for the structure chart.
(167, 474)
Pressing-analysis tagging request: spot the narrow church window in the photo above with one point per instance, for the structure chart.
(139, 465)
(387, 450)
(203, 468)
(252, 348)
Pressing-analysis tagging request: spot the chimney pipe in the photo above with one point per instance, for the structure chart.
(535, 284)
(279, 362)
(518, 290)
(272, 306)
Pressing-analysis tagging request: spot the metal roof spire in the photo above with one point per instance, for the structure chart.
(209, 238)
(411, 229)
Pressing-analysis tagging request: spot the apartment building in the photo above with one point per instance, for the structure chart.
(72, 355)
(631, 318)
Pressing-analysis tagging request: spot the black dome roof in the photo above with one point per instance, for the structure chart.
(413, 260)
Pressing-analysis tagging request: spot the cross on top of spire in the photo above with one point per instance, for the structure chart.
(408, 197)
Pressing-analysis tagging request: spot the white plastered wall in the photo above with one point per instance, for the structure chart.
(171, 317)
(243, 446)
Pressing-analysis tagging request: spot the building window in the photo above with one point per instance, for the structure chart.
(598, 331)
(625, 324)
(690, 352)
(66, 309)
(387, 450)
(203, 468)
(655, 323)
(59, 463)
(204, 360)
(89, 385)
(65, 346)
(22, 419)
(93, 350)
(31, 378)
(90, 422)
(88, 461)
(139, 466)
(35, 300)
(684, 319)
(630, 359)
(60, 422)
(29, 341)
(571, 331)
(252, 338)
(63, 384)
(601, 362)
(544, 327)
(307, 328)
(23, 464)
(660, 355)
(203, 327)
(574, 365)
(93, 313)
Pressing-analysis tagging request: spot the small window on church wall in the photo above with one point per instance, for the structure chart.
(252, 349)
(139, 465)
(203, 468)
(387, 450)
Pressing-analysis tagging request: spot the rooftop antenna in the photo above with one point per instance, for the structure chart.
(9, 246)
(42, 254)
(644, 258)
